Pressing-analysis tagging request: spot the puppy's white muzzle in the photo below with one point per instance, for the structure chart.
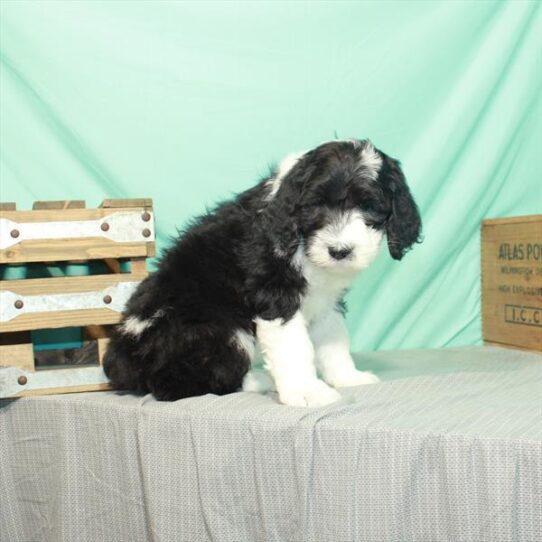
(345, 243)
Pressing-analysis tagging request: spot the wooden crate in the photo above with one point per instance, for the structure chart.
(512, 282)
(61, 232)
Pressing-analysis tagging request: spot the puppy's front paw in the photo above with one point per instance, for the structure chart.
(353, 378)
(313, 394)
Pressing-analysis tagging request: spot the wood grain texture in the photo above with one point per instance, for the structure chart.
(139, 265)
(113, 264)
(77, 249)
(512, 282)
(16, 350)
(64, 215)
(65, 285)
(57, 250)
(101, 334)
(59, 204)
(58, 319)
(65, 389)
(512, 220)
(135, 202)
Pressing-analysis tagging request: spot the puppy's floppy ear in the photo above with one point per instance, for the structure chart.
(404, 223)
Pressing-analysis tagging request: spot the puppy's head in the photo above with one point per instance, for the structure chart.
(339, 200)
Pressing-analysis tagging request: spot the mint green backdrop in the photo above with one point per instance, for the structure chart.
(188, 102)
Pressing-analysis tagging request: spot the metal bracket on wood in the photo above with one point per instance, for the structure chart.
(122, 227)
(15, 381)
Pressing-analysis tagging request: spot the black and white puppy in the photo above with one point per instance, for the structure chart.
(265, 274)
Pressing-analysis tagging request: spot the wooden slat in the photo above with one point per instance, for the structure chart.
(65, 318)
(66, 389)
(511, 220)
(136, 202)
(101, 334)
(60, 204)
(8, 206)
(102, 348)
(56, 319)
(16, 350)
(67, 215)
(139, 265)
(113, 265)
(18, 355)
(67, 285)
(90, 248)
(97, 332)
(87, 248)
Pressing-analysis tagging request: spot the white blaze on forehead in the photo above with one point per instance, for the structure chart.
(284, 168)
(370, 161)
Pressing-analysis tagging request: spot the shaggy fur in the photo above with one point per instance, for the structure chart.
(267, 272)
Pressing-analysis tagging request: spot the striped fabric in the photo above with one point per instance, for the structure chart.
(447, 448)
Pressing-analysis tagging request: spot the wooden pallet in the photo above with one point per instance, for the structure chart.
(120, 233)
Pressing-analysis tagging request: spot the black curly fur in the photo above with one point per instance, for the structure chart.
(233, 265)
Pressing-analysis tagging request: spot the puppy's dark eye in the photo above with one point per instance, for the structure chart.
(376, 221)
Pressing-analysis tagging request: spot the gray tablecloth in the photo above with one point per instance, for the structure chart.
(447, 448)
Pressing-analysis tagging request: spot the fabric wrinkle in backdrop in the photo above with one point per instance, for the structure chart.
(189, 102)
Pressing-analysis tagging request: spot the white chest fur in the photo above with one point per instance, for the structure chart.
(324, 289)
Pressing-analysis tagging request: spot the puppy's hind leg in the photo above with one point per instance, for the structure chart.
(200, 360)
(121, 366)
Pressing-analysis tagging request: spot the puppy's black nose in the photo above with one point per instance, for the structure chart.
(339, 253)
